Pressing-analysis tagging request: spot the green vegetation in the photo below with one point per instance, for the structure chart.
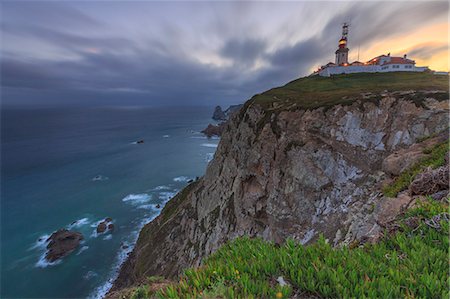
(172, 205)
(410, 263)
(314, 92)
(434, 159)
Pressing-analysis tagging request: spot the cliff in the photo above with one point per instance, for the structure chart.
(304, 159)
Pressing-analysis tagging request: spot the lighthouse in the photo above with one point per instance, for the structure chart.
(342, 51)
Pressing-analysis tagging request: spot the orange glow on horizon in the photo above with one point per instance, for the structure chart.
(434, 36)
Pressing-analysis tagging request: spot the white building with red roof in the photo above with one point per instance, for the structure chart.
(379, 64)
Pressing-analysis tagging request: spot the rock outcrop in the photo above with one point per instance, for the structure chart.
(214, 130)
(290, 173)
(61, 243)
(105, 225)
(219, 114)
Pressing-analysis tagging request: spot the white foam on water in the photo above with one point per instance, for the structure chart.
(137, 198)
(100, 178)
(84, 248)
(166, 136)
(107, 237)
(43, 263)
(122, 255)
(41, 243)
(166, 196)
(162, 187)
(148, 207)
(182, 179)
(94, 233)
(94, 225)
(78, 223)
(213, 145)
(89, 275)
(209, 157)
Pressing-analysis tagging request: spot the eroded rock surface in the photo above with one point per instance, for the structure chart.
(289, 174)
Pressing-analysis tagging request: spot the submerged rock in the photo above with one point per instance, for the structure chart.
(105, 225)
(62, 243)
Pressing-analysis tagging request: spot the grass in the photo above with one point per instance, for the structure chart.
(410, 263)
(434, 159)
(172, 205)
(314, 92)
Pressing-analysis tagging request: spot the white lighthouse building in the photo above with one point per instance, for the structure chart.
(379, 64)
(342, 51)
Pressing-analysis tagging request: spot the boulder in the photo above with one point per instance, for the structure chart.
(105, 225)
(101, 227)
(62, 243)
(398, 162)
(431, 181)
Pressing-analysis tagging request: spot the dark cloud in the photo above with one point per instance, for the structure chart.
(96, 63)
(427, 51)
(244, 51)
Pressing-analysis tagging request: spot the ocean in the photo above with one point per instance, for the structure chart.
(73, 167)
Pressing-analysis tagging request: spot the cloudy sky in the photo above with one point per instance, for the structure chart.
(182, 53)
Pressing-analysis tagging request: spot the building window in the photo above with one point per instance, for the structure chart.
(395, 66)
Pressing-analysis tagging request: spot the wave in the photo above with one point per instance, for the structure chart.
(137, 198)
(107, 237)
(43, 263)
(122, 255)
(89, 275)
(166, 136)
(41, 243)
(78, 223)
(148, 207)
(209, 157)
(84, 248)
(162, 187)
(166, 196)
(100, 178)
(182, 179)
(213, 145)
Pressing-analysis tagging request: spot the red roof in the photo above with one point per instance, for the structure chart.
(400, 60)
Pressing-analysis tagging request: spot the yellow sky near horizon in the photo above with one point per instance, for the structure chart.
(432, 36)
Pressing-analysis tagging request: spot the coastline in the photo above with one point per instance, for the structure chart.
(124, 254)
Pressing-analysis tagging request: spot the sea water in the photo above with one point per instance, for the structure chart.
(72, 168)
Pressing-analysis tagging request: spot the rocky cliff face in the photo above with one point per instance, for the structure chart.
(281, 174)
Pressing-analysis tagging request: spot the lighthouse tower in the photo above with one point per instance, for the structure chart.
(342, 51)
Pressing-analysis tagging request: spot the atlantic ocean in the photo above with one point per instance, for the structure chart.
(73, 167)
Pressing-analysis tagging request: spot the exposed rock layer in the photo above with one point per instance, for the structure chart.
(288, 174)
